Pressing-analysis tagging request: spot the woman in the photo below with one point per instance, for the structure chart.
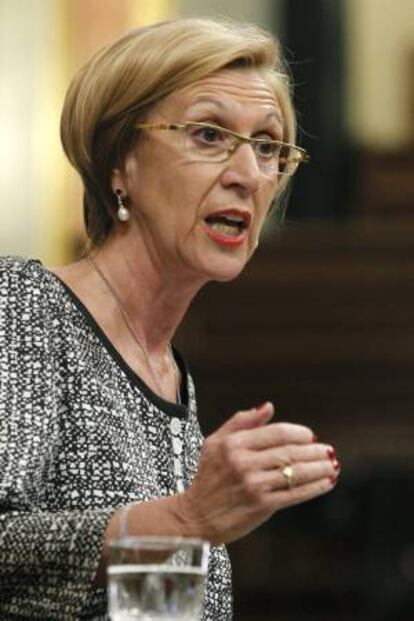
(176, 131)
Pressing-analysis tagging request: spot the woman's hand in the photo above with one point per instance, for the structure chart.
(240, 481)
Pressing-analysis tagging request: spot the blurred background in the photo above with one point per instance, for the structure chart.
(321, 322)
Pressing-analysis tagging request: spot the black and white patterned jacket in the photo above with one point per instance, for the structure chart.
(80, 435)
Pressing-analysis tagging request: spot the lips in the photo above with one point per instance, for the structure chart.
(227, 226)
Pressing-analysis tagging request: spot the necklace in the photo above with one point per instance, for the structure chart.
(128, 323)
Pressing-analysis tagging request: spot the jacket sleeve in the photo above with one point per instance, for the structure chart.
(43, 552)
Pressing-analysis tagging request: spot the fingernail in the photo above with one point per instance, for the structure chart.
(331, 453)
(259, 407)
(333, 480)
(314, 438)
(336, 465)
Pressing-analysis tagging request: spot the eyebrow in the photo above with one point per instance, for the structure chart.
(224, 107)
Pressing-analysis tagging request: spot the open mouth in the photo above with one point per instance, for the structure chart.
(228, 223)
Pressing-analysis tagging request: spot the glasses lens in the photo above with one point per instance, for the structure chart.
(267, 155)
(207, 142)
(211, 143)
(276, 158)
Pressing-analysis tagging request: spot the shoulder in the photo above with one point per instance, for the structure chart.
(34, 322)
(26, 288)
(18, 271)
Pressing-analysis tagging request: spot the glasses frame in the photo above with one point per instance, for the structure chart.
(303, 155)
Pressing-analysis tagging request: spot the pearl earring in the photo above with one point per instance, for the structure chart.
(122, 213)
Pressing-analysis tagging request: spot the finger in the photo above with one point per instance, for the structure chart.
(297, 495)
(305, 473)
(275, 434)
(290, 454)
(302, 474)
(247, 419)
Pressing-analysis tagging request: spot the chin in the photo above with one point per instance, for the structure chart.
(225, 269)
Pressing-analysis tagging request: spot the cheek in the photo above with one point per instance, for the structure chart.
(191, 187)
(266, 202)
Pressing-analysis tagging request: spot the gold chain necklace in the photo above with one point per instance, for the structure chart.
(131, 330)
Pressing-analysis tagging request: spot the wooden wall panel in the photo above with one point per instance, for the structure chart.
(322, 323)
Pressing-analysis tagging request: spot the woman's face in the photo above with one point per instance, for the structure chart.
(178, 203)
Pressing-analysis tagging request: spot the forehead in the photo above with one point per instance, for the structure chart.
(235, 91)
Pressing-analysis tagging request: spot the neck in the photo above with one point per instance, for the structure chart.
(154, 297)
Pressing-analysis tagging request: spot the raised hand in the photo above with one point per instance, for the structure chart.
(249, 469)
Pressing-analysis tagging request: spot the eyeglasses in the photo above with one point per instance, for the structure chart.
(211, 143)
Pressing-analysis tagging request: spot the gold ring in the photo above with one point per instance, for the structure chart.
(287, 472)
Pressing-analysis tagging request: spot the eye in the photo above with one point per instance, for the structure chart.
(208, 134)
(267, 148)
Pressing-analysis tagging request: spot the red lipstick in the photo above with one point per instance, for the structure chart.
(227, 227)
(223, 239)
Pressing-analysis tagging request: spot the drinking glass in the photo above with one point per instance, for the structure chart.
(157, 578)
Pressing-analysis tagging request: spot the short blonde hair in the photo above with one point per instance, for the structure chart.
(118, 86)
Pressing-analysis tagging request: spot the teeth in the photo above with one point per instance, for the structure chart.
(232, 220)
(226, 229)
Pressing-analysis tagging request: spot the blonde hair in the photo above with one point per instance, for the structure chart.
(117, 87)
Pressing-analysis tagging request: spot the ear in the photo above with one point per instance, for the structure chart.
(118, 181)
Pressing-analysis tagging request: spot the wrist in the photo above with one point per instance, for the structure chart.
(168, 516)
(171, 516)
(192, 521)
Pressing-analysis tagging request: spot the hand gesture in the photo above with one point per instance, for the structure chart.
(249, 469)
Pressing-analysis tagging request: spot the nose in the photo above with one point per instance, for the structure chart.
(242, 170)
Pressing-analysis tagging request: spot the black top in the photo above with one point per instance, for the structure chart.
(80, 435)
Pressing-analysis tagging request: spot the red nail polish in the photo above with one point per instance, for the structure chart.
(331, 453)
